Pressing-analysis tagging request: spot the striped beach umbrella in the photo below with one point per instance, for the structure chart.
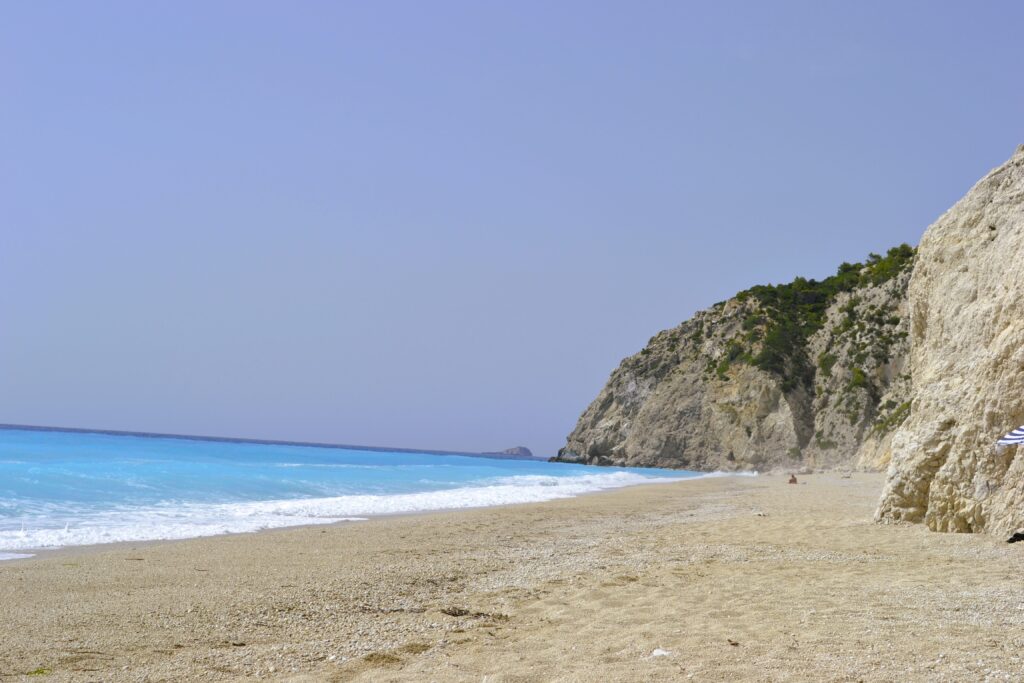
(1013, 438)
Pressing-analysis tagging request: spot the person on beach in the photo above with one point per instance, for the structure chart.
(792, 479)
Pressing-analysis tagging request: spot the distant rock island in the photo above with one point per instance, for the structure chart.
(518, 452)
(912, 360)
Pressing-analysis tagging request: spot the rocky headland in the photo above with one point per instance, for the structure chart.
(802, 375)
(911, 361)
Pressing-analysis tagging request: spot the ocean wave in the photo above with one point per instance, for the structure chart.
(14, 556)
(190, 520)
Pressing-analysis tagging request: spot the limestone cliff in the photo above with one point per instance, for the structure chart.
(966, 309)
(807, 374)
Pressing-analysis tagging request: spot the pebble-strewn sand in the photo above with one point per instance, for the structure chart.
(725, 579)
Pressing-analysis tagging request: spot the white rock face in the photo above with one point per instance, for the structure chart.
(966, 308)
(696, 398)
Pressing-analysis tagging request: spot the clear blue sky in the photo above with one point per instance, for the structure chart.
(443, 224)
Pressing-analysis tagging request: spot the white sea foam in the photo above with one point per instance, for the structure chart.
(190, 520)
(13, 556)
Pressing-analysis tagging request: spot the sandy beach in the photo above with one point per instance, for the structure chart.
(712, 580)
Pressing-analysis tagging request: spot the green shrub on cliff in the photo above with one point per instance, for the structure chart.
(796, 310)
(826, 361)
(893, 419)
(883, 268)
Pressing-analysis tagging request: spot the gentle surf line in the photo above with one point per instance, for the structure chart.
(195, 520)
(61, 488)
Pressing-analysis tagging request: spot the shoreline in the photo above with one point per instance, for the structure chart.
(34, 553)
(727, 578)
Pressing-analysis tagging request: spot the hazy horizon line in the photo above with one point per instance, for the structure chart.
(267, 442)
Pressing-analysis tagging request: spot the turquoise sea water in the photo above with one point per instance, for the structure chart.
(60, 488)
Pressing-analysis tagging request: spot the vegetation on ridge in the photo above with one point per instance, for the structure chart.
(795, 311)
(706, 392)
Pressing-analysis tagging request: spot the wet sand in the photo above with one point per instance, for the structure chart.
(712, 580)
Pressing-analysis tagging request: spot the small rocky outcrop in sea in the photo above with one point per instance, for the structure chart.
(966, 310)
(514, 452)
(806, 374)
